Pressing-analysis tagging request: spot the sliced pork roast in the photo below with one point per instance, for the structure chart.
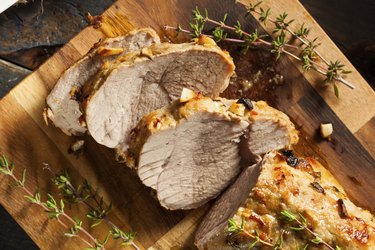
(269, 128)
(141, 82)
(189, 151)
(63, 108)
(286, 202)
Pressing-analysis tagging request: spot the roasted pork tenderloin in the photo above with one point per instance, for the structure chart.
(140, 82)
(63, 107)
(286, 202)
(189, 151)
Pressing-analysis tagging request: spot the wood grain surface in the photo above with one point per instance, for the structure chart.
(27, 140)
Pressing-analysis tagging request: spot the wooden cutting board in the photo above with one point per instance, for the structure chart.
(27, 140)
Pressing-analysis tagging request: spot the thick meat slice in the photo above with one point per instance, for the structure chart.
(270, 129)
(142, 82)
(211, 231)
(306, 191)
(189, 152)
(64, 109)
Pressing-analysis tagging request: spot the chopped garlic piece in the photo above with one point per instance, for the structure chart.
(77, 147)
(186, 95)
(109, 51)
(237, 108)
(47, 113)
(147, 52)
(206, 41)
(326, 130)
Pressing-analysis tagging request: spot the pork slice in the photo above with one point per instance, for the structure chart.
(306, 190)
(188, 151)
(148, 80)
(63, 104)
(270, 129)
(211, 231)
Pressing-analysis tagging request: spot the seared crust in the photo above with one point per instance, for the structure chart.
(307, 189)
(162, 128)
(129, 59)
(263, 112)
(282, 187)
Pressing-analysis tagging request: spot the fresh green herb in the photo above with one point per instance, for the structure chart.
(264, 14)
(278, 45)
(127, 238)
(303, 248)
(279, 242)
(253, 7)
(281, 24)
(74, 229)
(302, 31)
(83, 194)
(234, 231)
(33, 199)
(53, 208)
(333, 71)
(299, 223)
(100, 244)
(98, 211)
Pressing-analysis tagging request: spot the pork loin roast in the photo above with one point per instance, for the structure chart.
(143, 81)
(189, 151)
(63, 108)
(270, 129)
(284, 187)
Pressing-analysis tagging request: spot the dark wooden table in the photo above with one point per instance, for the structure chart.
(31, 33)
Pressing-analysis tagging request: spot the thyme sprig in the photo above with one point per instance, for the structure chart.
(234, 231)
(300, 224)
(333, 70)
(84, 193)
(308, 53)
(54, 209)
(297, 223)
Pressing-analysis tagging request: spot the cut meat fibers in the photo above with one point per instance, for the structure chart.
(270, 129)
(306, 190)
(63, 106)
(189, 152)
(147, 80)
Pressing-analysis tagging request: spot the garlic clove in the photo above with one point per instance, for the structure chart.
(326, 130)
(186, 95)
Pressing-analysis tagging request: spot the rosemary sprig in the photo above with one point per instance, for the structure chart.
(97, 213)
(53, 208)
(301, 225)
(333, 71)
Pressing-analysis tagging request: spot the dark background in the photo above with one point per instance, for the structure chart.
(31, 33)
